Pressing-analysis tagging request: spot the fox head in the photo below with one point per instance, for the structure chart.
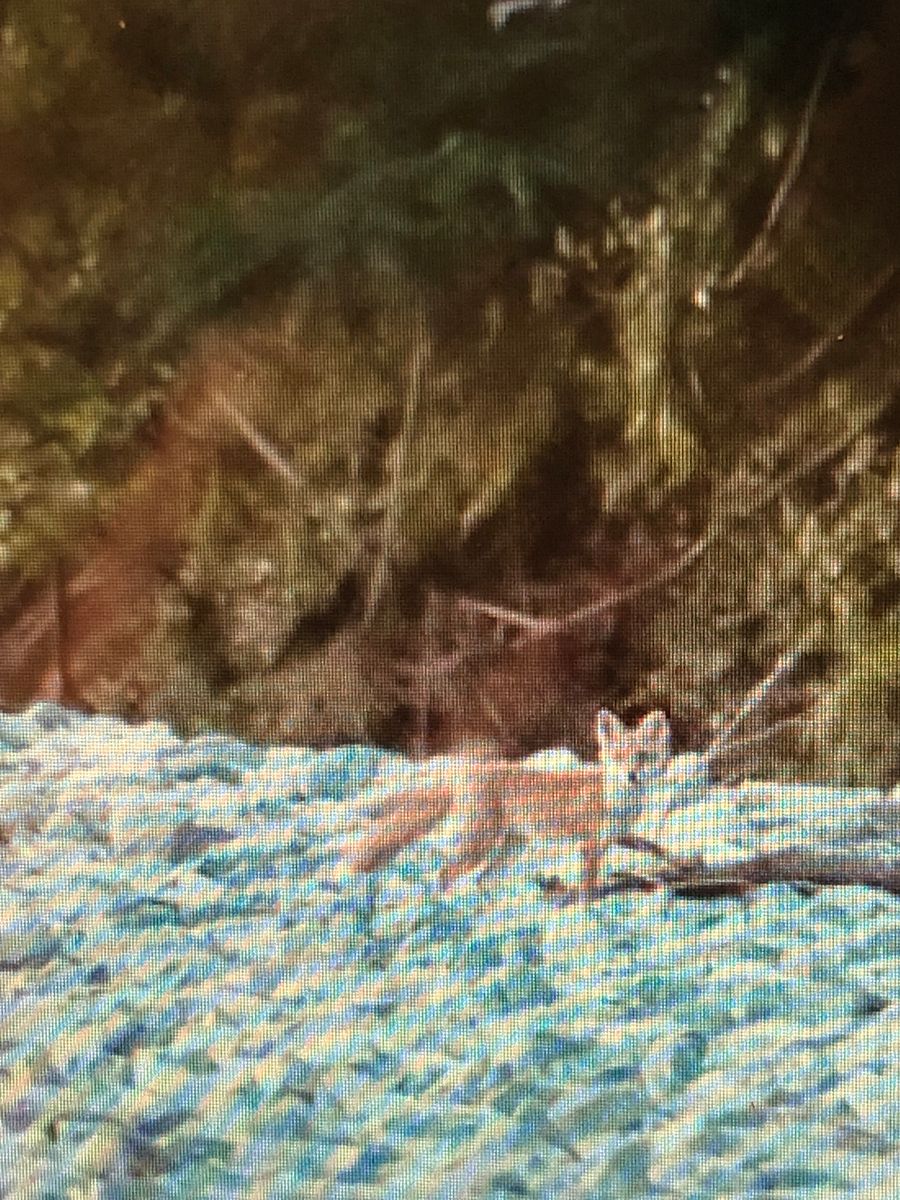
(634, 758)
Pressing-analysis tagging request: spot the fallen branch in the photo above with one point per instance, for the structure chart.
(804, 870)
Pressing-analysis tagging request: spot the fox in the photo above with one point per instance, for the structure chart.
(596, 805)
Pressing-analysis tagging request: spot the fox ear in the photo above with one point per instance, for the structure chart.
(655, 725)
(609, 727)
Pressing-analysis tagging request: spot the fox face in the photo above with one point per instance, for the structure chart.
(631, 762)
(636, 757)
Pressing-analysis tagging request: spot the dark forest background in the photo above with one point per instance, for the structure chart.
(381, 371)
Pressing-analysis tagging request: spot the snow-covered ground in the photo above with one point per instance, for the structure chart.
(197, 1001)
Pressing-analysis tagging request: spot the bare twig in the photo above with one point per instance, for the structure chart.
(541, 626)
(396, 471)
(267, 451)
(792, 167)
(721, 742)
(824, 343)
(734, 504)
(754, 699)
(512, 617)
(750, 738)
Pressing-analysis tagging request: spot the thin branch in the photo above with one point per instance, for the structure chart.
(514, 617)
(267, 451)
(750, 738)
(740, 508)
(785, 663)
(792, 167)
(720, 743)
(396, 471)
(541, 626)
(477, 507)
(823, 344)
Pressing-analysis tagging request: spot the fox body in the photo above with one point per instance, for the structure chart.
(596, 805)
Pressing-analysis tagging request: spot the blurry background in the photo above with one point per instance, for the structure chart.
(320, 323)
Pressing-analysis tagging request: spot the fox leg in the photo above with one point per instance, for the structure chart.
(505, 846)
(481, 835)
(592, 853)
(404, 819)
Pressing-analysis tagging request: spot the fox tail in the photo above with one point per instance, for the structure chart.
(405, 818)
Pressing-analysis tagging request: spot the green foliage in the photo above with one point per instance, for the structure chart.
(440, 246)
(373, 445)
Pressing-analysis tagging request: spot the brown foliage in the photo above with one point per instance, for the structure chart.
(75, 637)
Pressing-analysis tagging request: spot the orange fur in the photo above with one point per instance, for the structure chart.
(407, 817)
(594, 805)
